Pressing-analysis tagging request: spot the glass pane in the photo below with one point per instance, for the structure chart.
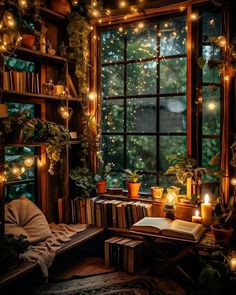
(113, 150)
(141, 78)
(173, 37)
(112, 46)
(173, 75)
(210, 147)
(141, 115)
(211, 25)
(210, 75)
(211, 111)
(173, 114)
(14, 108)
(113, 115)
(115, 179)
(15, 157)
(167, 181)
(170, 145)
(141, 152)
(13, 192)
(147, 181)
(113, 80)
(141, 42)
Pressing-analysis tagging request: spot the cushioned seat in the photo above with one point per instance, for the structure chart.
(23, 217)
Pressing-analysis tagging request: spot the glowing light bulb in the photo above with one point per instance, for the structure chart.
(108, 12)
(141, 25)
(65, 115)
(233, 181)
(22, 3)
(182, 8)
(226, 78)
(28, 162)
(120, 29)
(194, 16)
(22, 170)
(92, 95)
(221, 41)
(211, 22)
(211, 106)
(122, 4)
(15, 171)
(75, 2)
(11, 23)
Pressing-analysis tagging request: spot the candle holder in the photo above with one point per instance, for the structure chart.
(170, 205)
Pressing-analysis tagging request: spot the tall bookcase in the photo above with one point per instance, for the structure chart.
(55, 67)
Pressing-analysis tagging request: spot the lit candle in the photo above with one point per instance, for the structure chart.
(196, 218)
(206, 210)
(233, 264)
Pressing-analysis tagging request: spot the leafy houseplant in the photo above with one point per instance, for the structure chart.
(132, 182)
(185, 168)
(84, 182)
(55, 137)
(10, 249)
(28, 33)
(101, 176)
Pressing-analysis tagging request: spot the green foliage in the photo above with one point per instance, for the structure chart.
(10, 248)
(226, 215)
(78, 30)
(131, 176)
(55, 137)
(84, 180)
(184, 167)
(103, 171)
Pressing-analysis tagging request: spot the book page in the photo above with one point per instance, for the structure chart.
(184, 226)
(157, 222)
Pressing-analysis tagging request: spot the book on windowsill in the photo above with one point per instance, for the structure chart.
(177, 229)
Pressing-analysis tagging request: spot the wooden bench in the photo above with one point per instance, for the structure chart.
(26, 267)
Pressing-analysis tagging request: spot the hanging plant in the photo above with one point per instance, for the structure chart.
(79, 30)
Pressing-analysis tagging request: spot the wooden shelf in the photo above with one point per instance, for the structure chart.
(10, 93)
(23, 52)
(52, 15)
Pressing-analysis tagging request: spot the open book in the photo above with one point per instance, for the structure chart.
(163, 226)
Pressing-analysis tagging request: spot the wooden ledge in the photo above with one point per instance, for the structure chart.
(26, 267)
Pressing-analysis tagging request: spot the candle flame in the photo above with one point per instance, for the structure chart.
(197, 213)
(206, 198)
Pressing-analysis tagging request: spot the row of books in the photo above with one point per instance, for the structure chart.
(21, 81)
(124, 254)
(109, 213)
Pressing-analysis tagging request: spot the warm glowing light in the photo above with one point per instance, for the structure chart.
(120, 29)
(197, 213)
(141, 25)
(159, 34)
(2, 178)
(194, 16)
(206, 199)
(22, 4)
(28, 162)
(182, 8)
(95, 13)
(75, 2)
(108, 12)
(65, 115)
(211, 22)
(211, 106)
(233, 181)
(226, 78)
(122, 4)
(40, 163)
(92, 95)
(166, 25)
(22, 170)
(15, 171)
(221, 41)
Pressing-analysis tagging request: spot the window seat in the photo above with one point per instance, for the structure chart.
(26, 267)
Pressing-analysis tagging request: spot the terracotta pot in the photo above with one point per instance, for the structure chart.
(102, 187)
(27, 40)
(222, 235)
(61, 6)
(133, 189)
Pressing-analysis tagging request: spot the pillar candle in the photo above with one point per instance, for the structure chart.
(196, 218)
(206, 210)
(189, 187)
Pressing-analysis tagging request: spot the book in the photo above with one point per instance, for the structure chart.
(135, 254)
(178, 229)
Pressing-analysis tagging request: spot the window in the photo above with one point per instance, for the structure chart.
(144, 103)
(144, 96)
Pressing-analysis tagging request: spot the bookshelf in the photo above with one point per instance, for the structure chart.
(48, 188)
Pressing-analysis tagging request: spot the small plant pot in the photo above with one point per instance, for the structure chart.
(102, 187)
(61, 6)
(133, 189)
(222, 234)
(27, 40)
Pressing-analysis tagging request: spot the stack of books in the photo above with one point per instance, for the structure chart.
(124, 254)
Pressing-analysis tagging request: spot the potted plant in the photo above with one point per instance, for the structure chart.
(187, 172)
(55, 137)
(101, 176)
(132, 182)
(28, 33)
(83, 181)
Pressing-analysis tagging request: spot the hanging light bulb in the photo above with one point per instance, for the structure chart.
(65, 114)
(22, 4)
(92, 95)
(28, 162)
(15, 171)
(221, 41)
(75, 2)
(22, 170)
